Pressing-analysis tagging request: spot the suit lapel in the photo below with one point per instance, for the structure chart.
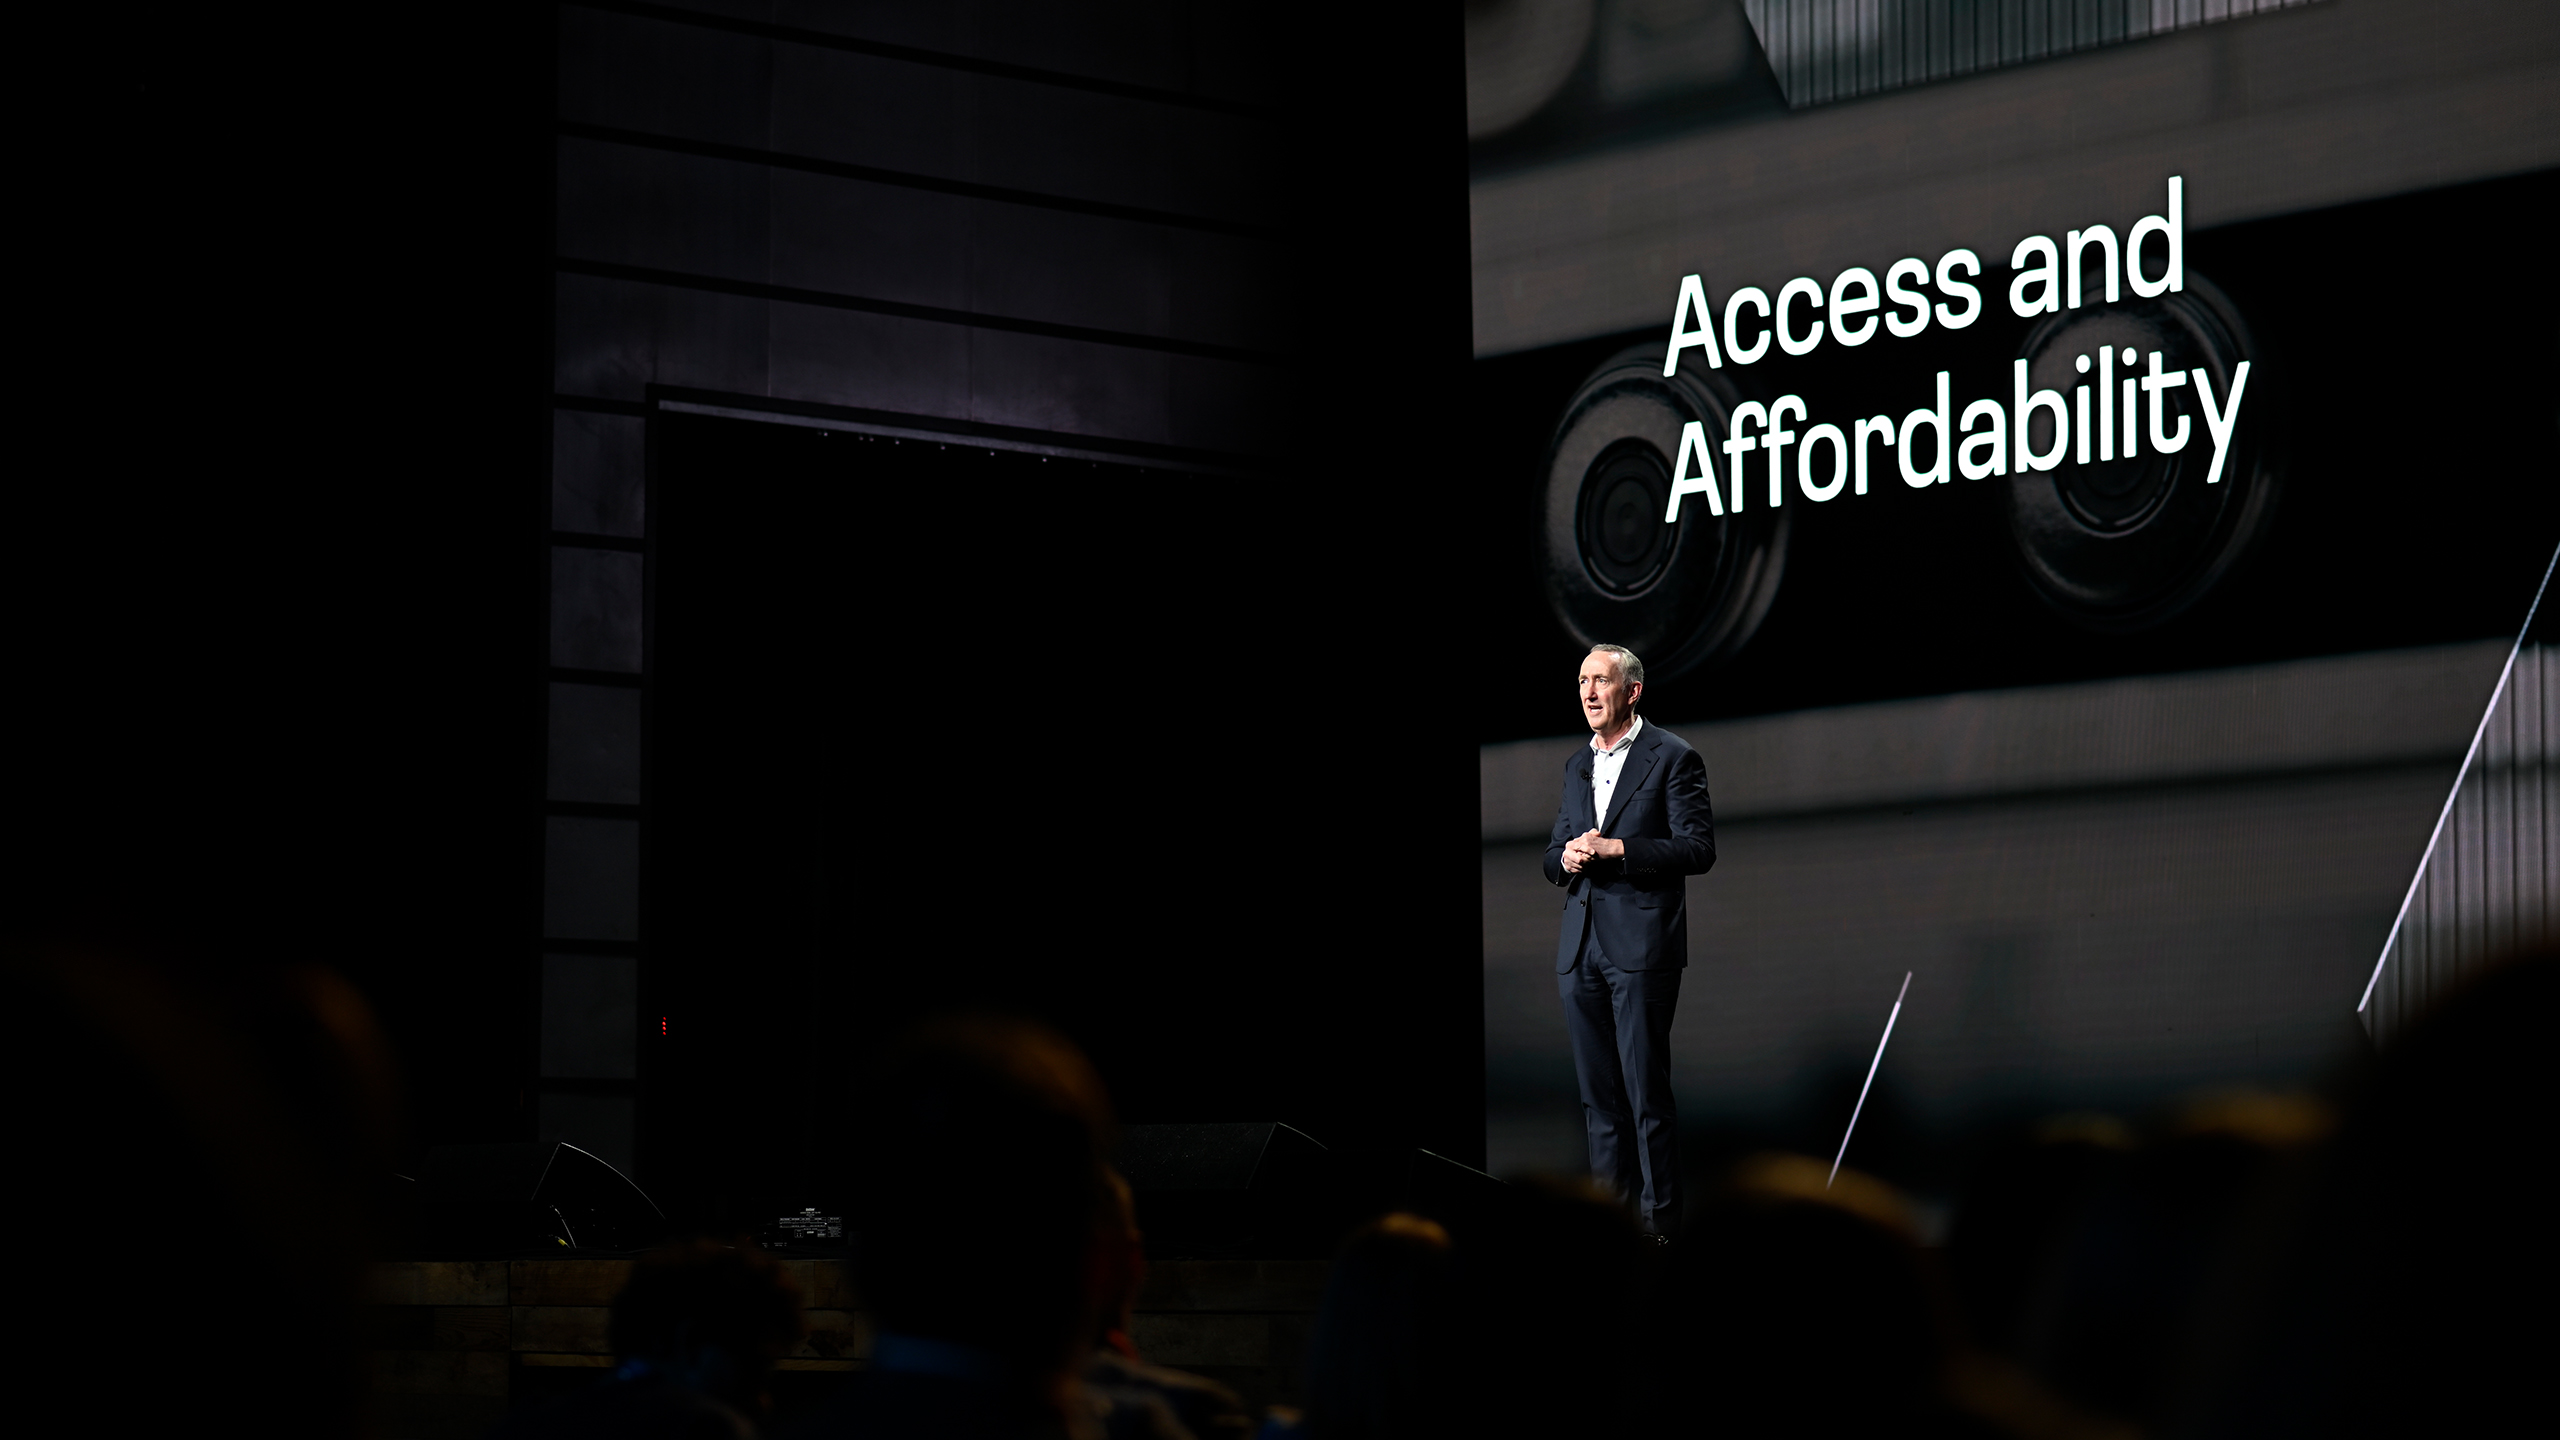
(1582, 790)
(1638, 765)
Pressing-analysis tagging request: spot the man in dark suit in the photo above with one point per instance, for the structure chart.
(1634, 825)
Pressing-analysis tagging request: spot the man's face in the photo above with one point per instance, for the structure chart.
(1607, 699)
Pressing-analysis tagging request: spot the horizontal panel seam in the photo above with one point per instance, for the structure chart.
(939, 59)
(598, 405)
(611, 679)
(591, 810)
(590, 540)
(909, 179)
(580, 945)
(788, 294)
(954, 429)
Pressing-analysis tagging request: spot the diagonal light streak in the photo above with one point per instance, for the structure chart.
(1871, 1079)
(2468, 757)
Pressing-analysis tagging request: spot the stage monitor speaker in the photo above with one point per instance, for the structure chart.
(809, 1230)
(1260, 1190)
(542, 1198)
(1464, 1199)
(1264, 1156)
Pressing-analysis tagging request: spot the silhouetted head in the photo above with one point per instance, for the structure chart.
(2112, 1302)
(1554, 1268)
(2020, 1206)
(708, 1317)
(1121, 1256)
(219, 1128)
(981, 1193)
(2401, 1303)
(1373, 1369)
(2450, 1213)
(1800, 1307)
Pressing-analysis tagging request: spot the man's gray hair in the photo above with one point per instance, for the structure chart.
(1630, 669)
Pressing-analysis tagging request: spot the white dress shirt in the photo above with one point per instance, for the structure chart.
(1606, 762)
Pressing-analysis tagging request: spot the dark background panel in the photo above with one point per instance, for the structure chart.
(654, 75)
(629, 205)
(1167, 44)
(277, 594)
(292, 603)
(936, 727)
(1142, 752)
(2418, 506)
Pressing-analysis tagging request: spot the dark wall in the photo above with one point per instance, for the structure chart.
(346, 619)
(902, 762)
(270, 557)
(1170, 309)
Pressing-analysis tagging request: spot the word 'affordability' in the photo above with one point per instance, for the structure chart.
(1986, 439)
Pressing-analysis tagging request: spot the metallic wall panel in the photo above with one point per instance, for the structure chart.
(733, 220)
(879, 362)
(1074, 386)
(1052, 384)
(598, 466)
(2490, 884)
(1225, 288)
(665, 78)
(612, 338)
(885, 241)
(698, 83)
(594, 745)
(1075, 270)
(1826, 50)
(1044, 138)
(595, 609)
(865, 110)
(590, 1017)
(630, 206)
(590, 878)
(1166, 44)
(1220, 406)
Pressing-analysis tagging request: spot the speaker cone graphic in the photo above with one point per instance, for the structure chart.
(2126, 544)
(1683, 595)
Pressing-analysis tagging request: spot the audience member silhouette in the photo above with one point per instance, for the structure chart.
(695, 1334)
(2088, 1256)
(2128, 1281)
(2250, 1268)
(982, 1226)
(2018, 1210)
(1378, 1367)
(1127, 1385)
(1567, 1254)
(1803, 1307)
(2396, 1291)
(199, 1129)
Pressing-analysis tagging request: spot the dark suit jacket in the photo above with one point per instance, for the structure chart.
(1638, 907)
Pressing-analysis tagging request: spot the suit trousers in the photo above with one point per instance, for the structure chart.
(1621, 1026)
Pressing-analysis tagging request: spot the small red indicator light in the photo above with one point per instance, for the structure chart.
(662, 1024)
